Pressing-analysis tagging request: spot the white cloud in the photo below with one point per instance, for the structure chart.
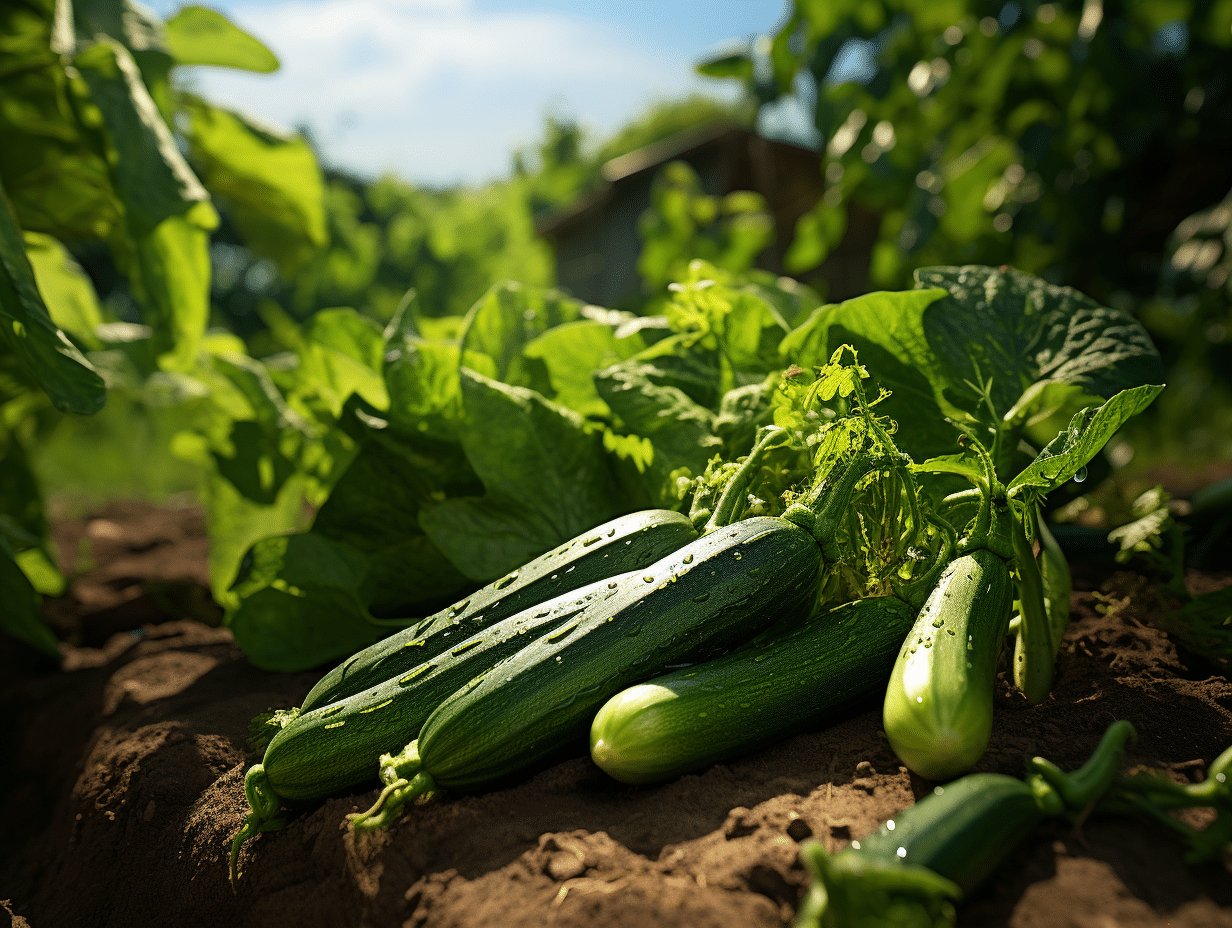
(435, 91)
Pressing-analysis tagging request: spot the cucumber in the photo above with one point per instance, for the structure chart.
(630, 542)
(711, 595)
(938, 704)
(915, 867)
(776, 684)
(336, 746)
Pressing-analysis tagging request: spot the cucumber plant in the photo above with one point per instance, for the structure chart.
(938, 705)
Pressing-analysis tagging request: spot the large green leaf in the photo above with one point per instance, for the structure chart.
(982, 346)
(169, 273)
(506, 319)
(256, 466)
(1003, 331)
(236, 522)
(199, 35)
(680, 432)
(271, 181)
(422, 381)
(886, 330)
(547, 479)
(26, 329)
(151, 176)
(571, 351)
(343, 353)
(67, 291)
(298, 602)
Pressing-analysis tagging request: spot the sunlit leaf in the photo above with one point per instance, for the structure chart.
(151, 176)
(27, 330)
(1068, 454)
(546, 478)
(271, 181)
(67, 291)
(200, 35)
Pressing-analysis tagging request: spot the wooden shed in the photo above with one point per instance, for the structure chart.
(596, 241)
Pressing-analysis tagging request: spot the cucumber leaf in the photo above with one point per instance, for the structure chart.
(298, 602)
(571, 351)
(199, 35)
(271, 181)
(547, 478)
(505, 320)
(151, 175)
(28, 332)
(886, 331)
(1001, 332)
(978, 344)
(961, 464)
(1090, 429)
(679, 431)
(67, 291)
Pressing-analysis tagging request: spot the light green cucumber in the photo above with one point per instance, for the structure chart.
(938, 705)
(778, 683)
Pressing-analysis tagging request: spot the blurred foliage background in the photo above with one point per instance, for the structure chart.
(231, 293)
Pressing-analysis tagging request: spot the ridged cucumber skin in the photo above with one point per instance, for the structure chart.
(337, 746)
(773, 686)
(711, 595)
(962, 830)
(630, 542)
(938, 704)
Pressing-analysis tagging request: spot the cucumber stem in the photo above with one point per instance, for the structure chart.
(916, 591)
(264, 803)
(1084, 787)
(732, 500)
(822, 509)
(405, 781)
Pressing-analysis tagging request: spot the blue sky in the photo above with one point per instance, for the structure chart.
(443, 91)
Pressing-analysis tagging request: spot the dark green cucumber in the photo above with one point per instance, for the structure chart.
(916, 866)
(938, 704)
(336, 746)
(711, 595)
(630, 542)
(782, 680)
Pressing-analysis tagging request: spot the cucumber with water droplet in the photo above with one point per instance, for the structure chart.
(711, 595)
(777, 684)
(630, 542)
(335, 747)
(938, 703)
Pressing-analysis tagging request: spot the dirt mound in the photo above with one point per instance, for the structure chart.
(121, 788)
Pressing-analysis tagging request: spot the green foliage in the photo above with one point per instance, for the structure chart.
(91, 149)
(685, 224)
(1060, 138)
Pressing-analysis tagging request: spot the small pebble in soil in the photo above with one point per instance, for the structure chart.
(565, 866)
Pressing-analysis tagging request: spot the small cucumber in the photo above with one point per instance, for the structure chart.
(711, 595)
(918, 865)
(938, 704)
(630, 542)
(776, 684)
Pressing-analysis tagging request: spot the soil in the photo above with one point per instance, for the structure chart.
(121, 785)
